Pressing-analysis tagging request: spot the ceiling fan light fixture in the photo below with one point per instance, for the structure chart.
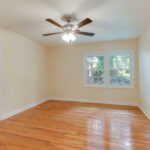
(70, 30)
(67, 37)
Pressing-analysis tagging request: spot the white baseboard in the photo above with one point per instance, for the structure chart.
(102, 102)
(93, 101)
(19, 110)
(145, 112)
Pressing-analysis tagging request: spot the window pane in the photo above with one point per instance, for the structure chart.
(95, 70)
(120, 73)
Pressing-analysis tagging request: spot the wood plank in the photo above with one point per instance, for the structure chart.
(60, 125)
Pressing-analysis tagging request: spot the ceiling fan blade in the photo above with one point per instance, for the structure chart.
(48, 34)
(84, 33)
(54, 23)
(84, 22)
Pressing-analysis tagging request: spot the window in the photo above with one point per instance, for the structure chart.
(109, 69)
(95, 73)
(120, 69)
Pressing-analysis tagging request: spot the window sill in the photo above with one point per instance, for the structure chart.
(95, 86)
(108, 87)
(121, 87)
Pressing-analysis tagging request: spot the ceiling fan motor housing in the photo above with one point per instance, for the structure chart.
(67, 28)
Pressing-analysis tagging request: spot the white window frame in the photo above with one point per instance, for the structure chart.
(107, 68)
(84, 68)
(131, 68)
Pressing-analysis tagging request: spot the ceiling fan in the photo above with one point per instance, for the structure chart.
(69, 29)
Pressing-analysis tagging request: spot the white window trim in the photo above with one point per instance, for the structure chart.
(84, 68)
(131, 66)
(106, 55)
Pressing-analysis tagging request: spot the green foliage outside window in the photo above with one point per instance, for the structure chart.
(98, 70)
(120, 70)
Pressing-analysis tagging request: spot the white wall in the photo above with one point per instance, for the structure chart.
(0, 79)
(26, 67)
(144, 70)
(66, 73)
(24, 75)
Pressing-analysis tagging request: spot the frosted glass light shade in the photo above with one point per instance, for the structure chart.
(68, 37)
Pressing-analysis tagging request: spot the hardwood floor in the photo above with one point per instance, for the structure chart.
(58, 125)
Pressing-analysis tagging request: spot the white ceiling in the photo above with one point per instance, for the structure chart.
(112, 19)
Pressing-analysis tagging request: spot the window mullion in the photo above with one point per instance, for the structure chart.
(106, 70)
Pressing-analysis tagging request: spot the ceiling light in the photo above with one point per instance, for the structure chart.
(69, 37)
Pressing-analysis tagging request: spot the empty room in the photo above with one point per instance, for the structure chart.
(74, 74)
